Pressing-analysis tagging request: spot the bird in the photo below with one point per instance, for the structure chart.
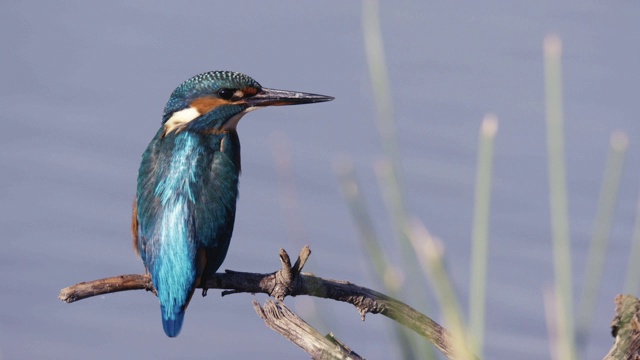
(187, 187)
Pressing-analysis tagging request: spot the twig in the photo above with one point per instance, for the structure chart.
(114, 284)
(285, 322)
(283, 283)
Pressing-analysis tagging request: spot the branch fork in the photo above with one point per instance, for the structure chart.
(289, 281)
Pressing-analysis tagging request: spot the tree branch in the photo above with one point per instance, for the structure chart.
(289, 281)
(625, 328)
(285, 322)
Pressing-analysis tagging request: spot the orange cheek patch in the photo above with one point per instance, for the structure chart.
(250, 91)
(206, 104)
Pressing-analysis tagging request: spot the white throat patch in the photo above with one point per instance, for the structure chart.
(180, 118)
(233, 122)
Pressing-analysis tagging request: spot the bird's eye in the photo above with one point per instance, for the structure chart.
(226, 93)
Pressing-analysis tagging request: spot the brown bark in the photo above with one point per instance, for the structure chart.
(285, 322)
(289, 281)
(625, 328)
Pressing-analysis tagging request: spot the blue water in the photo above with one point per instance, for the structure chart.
(82, 90)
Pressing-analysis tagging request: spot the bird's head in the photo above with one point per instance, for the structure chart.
(215, 101)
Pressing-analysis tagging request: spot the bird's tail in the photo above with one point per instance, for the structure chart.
(172, 320)
(173, 315)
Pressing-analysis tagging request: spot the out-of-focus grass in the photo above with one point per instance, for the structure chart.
(430, 252)
(558, 197)
(480, 233)
(413, 242)
(388, 275)
(359, 210)
(388, 169)
(633, 268)
(601, 233)
(421, 250)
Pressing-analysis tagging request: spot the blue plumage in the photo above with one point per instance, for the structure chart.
(188, 184)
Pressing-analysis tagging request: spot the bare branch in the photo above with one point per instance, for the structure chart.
(114, 284)
(284, 283)
(282, 320)
(625, 327)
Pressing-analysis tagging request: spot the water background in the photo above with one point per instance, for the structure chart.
(83, 85)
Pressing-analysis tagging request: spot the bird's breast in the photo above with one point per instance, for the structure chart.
(189, 179)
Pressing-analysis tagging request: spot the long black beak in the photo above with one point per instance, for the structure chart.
(273, 97)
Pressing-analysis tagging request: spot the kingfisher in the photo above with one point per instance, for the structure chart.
(185, 205)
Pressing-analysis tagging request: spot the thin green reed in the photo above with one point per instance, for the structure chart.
(389, 170)
(558, 197)
(350, 189)
(480, 233)
(430, 253)
(379, 262)
(633, 268)
(601, 233)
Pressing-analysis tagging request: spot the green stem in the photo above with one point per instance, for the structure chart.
(601, 233)
(558, 196)
(633, 268)
(480, 233)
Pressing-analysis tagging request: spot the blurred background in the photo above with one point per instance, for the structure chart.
(83, 86)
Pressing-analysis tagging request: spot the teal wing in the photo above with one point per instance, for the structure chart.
(186, 199)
